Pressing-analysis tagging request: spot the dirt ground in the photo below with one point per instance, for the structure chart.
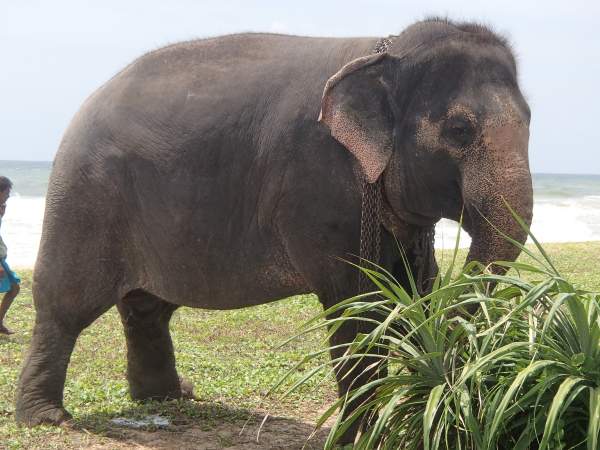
(216, 427)
(276, 433)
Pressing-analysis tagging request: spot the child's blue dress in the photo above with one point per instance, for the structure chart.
(8, 278)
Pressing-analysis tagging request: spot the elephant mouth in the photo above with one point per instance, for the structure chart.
(395, 220)
(404, 226)
(418, 220)
(405, 216)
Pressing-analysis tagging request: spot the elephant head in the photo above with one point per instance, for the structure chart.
(441, 119)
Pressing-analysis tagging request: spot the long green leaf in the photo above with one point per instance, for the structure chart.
(594, 419)
(430, 411)
(559, 403)
(470, 369)
(499, 416)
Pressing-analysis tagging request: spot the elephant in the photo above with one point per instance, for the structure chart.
(228, 172)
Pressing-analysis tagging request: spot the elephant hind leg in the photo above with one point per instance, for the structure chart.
(62, 312)
(39, 396)
(151, 371)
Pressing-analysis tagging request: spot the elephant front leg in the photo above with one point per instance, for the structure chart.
(151, 371)
(353, 374)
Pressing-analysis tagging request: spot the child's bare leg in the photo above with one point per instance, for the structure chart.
(6, 302)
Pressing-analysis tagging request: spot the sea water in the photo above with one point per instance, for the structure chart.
(22, 223)
(566, 209)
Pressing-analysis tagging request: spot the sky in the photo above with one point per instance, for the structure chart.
(53, 54)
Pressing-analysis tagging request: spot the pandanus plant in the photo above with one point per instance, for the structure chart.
(520, 371)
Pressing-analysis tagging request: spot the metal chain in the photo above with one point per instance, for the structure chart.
(382, 45)
(370, 227)
(423, 251)
(370, 219)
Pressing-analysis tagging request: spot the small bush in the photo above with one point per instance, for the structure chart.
(521, 372)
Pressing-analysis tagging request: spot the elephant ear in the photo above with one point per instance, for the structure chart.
(356, 109)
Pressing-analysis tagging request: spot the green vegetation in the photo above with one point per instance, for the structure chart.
(232, 358)
(483, 362)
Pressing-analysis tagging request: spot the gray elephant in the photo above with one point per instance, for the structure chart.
(201, 176)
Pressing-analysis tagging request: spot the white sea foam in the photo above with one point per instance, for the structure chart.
(22, 228)
(570, 219)
(554, 220)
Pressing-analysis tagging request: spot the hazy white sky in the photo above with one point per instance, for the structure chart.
(55, 53)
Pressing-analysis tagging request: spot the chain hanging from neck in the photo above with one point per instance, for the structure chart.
(370, 229)
(370, 219)
(424, 255)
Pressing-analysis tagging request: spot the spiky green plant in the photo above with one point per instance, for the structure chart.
(521, 372)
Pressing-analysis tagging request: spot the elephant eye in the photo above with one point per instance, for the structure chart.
(459, 131)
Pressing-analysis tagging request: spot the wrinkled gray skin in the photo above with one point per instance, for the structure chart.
(200, 176)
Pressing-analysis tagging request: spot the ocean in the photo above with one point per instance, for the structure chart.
(566, 209)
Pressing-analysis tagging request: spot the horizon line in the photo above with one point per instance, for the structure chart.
(533, 173)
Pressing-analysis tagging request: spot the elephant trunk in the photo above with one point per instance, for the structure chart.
(486, 193)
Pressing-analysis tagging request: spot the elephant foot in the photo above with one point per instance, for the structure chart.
(140, 395)
(42, 415)
(183, 389)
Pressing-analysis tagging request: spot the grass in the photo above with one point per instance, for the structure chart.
(231, 357)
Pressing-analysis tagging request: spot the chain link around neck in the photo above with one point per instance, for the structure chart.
(370, 219)
(422, 248)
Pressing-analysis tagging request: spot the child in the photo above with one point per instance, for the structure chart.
(9, 281)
